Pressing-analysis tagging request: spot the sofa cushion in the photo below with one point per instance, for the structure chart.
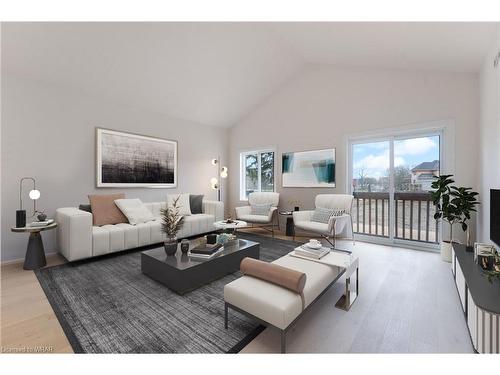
(258, 219)
(271, 303)
(157, 235)
(134, 210)
(182, 203)
(312, 226)
(116, 237)
(100, 241)
(155, 208)
(105, 211)
(260, 209)
(131, 235)
(144, 234)
(196, 224)
(196, 204)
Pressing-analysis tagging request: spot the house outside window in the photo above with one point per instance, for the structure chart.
(256, 172)
(424, 174)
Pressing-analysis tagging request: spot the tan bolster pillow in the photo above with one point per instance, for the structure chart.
(282, 276)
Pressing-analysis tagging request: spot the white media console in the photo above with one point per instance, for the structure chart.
(480, 300)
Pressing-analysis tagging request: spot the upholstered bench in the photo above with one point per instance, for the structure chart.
(275, 306)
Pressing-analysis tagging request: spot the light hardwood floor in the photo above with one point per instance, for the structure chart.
(407, 303)
(27, 320)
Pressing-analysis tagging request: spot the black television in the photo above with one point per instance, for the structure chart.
(495, 216)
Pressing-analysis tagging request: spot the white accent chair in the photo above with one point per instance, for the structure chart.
(337, 227)
(263, 221)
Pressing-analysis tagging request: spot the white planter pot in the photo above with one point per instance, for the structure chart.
(446, 251)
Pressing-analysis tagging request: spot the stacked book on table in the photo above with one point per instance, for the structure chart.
(308, 252)
(206, 251)
(38, 224)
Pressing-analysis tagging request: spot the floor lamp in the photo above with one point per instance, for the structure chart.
(222, 172)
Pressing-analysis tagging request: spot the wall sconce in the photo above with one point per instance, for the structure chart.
(34, 194)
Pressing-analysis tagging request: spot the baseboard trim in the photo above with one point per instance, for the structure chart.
(21, 260)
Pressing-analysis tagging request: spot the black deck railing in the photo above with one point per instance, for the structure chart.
(413, 218)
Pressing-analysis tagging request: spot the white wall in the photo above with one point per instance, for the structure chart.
(489, 147)
(324, 104)
(48, 132)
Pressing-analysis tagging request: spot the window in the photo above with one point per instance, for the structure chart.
(256, 172)
(390, 178)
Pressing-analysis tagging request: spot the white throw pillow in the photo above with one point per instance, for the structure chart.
(182, 203)
(135, 211)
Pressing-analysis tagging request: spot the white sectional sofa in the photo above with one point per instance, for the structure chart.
(77, 238)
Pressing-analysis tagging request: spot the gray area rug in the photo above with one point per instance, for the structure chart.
(106, 305)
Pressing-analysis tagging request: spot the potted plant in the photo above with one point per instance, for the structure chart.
(453, 205)
(466, 200)
(171, 224)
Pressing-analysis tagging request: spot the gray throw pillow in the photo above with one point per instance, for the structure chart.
(260, 209)
(85, 207)
(323, 215)
(196, 204)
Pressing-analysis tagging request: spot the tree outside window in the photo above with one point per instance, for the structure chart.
(258, 173)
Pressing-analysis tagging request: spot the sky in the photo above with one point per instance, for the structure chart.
(374, 157)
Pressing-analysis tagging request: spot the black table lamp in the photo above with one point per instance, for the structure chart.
(33, 194)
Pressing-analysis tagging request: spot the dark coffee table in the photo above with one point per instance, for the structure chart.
(182, 273)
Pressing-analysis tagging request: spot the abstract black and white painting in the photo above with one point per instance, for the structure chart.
(309, 168)
(131, 160)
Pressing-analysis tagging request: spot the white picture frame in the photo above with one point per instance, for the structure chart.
(310, 169)
(129, 160)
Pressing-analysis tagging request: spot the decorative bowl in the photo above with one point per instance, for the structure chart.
(314, 245)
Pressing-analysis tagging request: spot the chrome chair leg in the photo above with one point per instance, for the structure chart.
(332, 243)
(352, 231)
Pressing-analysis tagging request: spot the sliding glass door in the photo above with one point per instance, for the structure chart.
(391, 179)
(371, 187)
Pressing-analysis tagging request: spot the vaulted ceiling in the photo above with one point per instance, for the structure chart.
(215, 73)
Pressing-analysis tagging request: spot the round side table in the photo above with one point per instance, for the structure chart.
(230, 227)
(35, 253)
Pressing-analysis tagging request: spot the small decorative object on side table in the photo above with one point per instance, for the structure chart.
(290, 228)
(41, 216)
(35, 253)
(171, 224)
